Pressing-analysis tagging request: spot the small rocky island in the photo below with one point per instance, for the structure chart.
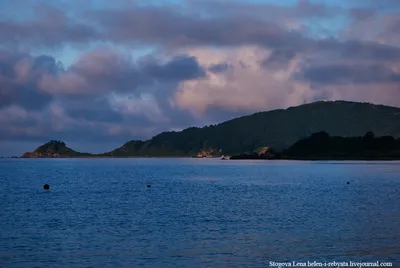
(54, 149)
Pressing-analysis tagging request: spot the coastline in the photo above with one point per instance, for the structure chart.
(219, 158)
(95, 157)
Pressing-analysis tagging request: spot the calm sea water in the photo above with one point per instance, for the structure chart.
(197, 213)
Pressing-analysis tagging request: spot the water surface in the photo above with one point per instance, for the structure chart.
(198, 212)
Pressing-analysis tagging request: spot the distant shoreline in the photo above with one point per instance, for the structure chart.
(94, 157)
(189, 157)
(306, 134)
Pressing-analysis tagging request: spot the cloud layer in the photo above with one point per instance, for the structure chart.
(115, 72)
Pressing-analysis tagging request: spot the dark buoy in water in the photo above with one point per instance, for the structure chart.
(148, 185)
(46, 187)
(348, 182)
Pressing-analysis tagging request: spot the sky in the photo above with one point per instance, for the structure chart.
(98, 73)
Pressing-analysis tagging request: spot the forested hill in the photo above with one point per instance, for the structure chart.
(54, 149)
(278, 129)
(322, 146)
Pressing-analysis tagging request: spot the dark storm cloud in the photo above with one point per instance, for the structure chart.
(358, 50)
(34, 83)
(351, 74)
(104, 71)
(46, 64)
(19, 78)
(50, 27)
(177, 69)
(279, 58)
(84, 127)
(135, 25)
(168, 27)
(93, 109)
(28, 97)
(234, 24)
(219, 68)
(229, 23)
(172, 28)
(31, 82)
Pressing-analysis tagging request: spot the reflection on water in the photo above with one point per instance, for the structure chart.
(198, 212)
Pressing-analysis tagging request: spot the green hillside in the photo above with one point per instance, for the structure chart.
(278, 129)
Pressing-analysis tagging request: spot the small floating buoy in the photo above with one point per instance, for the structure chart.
(348, 182)
(148, 185)
(46, 187)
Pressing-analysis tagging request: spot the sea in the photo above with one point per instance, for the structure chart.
(173, 212)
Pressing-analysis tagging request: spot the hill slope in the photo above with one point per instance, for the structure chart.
(323, 146)
(278, 129)
(53, 149)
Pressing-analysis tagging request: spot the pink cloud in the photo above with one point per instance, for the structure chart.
(249, 86)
